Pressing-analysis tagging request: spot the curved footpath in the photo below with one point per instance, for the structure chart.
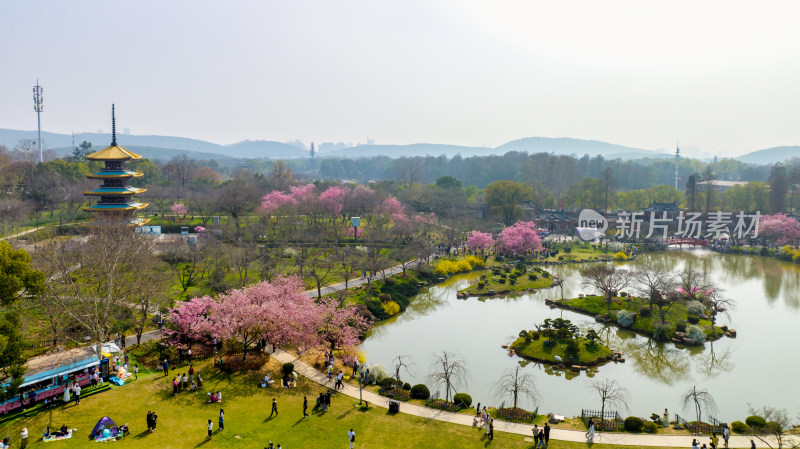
(627, 439)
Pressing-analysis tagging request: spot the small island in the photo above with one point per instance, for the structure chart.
(681, 321)
(506, 279)
(559, 342)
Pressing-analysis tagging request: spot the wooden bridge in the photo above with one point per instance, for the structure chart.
(680, 241)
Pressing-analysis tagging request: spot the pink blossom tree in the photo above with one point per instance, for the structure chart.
(780, 228)
(340, 327)
(305, 197)
(188, 322)
(480, 241)
(332, 199)
(179, 209)
(390, 206)
(359, 201)
(520, 238)
(275, 200)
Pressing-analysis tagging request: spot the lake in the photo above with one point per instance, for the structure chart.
(757, 367)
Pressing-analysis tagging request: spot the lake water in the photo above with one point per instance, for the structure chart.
(758, 367)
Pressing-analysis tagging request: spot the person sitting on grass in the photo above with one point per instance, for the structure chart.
(267, 380)
(193, 387)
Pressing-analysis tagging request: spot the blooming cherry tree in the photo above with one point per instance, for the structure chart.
(780, 228)
(479, 241)
(332, 200)
(179, 209)
(188, 322)
(520, 238)
(275, 200)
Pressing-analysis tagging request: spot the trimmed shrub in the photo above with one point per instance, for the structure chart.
(661, 332)
(481, 284)
(620, 256)
(692, 319)
(739, 427)
(680, 327)
(287, 368)
(387, 383)
(634, 424)
(645, 313)
(407, 386)
(625, 318)
(377, 373)
(385, 297)
(650, 427)
(534, 335)
(462, 400)
(755, 421)
(390, 281)
(695, 308)
(695, 334)
(420, 391)
(391, 308)
(533, 277)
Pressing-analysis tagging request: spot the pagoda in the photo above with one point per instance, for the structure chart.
(115, 194)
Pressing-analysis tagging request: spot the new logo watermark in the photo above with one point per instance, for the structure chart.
(591, 225)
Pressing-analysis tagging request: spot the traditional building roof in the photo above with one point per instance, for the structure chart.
(113, 153)
(104, 174)
(116, 207)
(127, 190)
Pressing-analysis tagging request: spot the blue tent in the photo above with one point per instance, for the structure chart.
(105, 422)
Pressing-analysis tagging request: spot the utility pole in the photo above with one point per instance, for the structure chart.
(38, 106)
(677, 156)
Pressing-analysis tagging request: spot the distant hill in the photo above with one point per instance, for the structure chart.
(158, 154)
(770, 155)
(161, 147)
(578, 147)
(413, 150)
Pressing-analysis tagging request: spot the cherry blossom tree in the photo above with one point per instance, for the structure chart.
(304, 196)
(780, 228)
(480, 241)
(179, 209)
(332, 200)
(520, 238)
(340, 327)
(188, 322)
(391, 206)
(275, 200)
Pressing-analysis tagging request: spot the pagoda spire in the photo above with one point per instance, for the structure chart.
(113, 127)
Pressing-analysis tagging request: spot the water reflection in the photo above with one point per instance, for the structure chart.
(662, 362)
(714, 361)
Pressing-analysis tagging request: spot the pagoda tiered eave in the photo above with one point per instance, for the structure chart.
(115, 174)
(117, 207)
(115, 191)
(113, 153)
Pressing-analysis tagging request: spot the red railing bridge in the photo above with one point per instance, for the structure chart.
(680, 241)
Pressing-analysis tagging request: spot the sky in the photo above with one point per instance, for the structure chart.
(720, 76)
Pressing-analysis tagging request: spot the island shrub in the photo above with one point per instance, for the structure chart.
(634, 424)
(481, 284)
(391, 308)
(390, 281)
(692, 319)
(755, 421)
(620, 256)
(534, 335)
(549, 343)
(385, 297)
(517, 273)
(513, 281)
(625, 318)
(661, 332)
(375, 307)
(739, 427)
(475, 261)
(650, 427)
(560, 258)
(645, 313)
(572, 348)
(695, 334)
(407, 386)
(680, 327)
(695, 308)
(533, 277)
(420, 391)
(545, 274)
(287, 368)
(462, 400)
(501, 280)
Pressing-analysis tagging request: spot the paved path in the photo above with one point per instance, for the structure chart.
(626, 439)
(20, 234)
(358, 281)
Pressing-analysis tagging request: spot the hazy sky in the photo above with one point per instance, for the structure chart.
(722, 75)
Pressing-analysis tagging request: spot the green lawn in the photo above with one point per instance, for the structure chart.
(182, 419)
(537, 350)
(597, 305)
(502, 285)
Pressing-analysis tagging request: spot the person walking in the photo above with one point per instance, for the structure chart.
(210, 429)
(136, 372)
(541, 438)
(166, 368)
(590, 432)
(305, 407)
(327, 401)
(185, 382)
(726, 434)
(191, 373)
(23, 437)
(546, 434)
(535, 435)
(491, 430)
(221, 420)
(77, 394)
(174, 386)
(274, 408)
(154, 421)
(149, 421)
(351, 438)
(752, 444)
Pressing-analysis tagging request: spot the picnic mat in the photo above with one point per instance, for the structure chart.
(55, 438)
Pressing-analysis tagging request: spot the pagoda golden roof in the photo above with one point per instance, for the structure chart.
(113, 153)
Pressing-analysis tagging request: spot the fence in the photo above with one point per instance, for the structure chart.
(608, 420)
(701, 428)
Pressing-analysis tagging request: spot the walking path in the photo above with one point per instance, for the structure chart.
(626, 439)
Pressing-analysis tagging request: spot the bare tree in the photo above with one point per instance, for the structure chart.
(718, 304)
(651, 279)
(777, 430)
(401, 365)
(321, 266)
(702, 401)
(611, 393)
(450, 370)
(515, 385)
(607, 279)
(185, 262)
(110, 275)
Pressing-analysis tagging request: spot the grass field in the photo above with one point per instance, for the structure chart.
(537, 350)
(182, 419)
